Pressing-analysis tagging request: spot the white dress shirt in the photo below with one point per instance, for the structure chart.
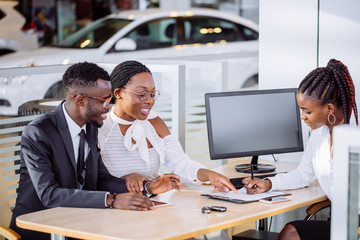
(74, 130)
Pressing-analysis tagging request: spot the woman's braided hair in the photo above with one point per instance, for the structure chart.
(122, 73)
(332, 84)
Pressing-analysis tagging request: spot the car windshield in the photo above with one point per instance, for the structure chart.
(94, 35)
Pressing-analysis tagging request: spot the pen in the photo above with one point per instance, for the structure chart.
(252, 174)
(252, 171)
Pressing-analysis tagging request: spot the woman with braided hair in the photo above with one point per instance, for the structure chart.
(326, 98)
(134, 141)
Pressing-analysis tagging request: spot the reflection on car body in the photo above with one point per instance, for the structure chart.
(193, 34)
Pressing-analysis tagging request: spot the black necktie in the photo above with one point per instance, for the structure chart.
(81, 157)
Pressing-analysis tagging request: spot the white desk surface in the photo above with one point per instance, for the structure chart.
(181, 220)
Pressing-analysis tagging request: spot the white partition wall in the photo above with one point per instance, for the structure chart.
(345, 202)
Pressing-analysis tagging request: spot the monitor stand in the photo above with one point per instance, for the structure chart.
(258, 168)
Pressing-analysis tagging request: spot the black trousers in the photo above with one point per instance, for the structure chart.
(313, 229)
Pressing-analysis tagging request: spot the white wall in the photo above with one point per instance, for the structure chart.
(339, 36)
(288, 42)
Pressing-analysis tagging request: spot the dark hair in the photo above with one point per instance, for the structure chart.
(122, 73)
(83, 74)
(332, 84)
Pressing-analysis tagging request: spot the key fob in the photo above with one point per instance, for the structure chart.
(206, 209)
(218, 208)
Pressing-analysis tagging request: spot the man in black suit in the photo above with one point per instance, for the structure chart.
(51, 152)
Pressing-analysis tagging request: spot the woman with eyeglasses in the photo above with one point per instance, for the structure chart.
(134, 141)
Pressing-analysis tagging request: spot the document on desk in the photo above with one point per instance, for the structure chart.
(243, 197)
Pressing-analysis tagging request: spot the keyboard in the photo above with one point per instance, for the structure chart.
(237, 182)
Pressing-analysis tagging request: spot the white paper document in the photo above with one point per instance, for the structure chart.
(243, 196)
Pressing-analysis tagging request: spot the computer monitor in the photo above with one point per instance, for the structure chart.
(253, 123)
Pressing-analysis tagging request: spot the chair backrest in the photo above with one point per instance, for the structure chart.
(10, 137)
(9, 233)
(315, 208)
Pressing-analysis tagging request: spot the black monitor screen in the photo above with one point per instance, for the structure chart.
(253, 123)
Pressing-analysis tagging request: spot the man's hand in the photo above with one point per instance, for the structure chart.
(164, 183)
(134, 182)
(219, 181)
(131, 201)
(256, 185)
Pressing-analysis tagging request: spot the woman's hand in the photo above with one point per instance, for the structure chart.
(164, 183)
(220, 182)
(134, 182)
(256, 185)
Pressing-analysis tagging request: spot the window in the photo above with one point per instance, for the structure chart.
(214, 30)
(96, 35)
(154, 34)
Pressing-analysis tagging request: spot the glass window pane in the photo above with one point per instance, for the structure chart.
(214, 30)
(95, 35)
(155, 34)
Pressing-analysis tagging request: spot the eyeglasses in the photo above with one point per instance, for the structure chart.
(144, 95)
(106, 100)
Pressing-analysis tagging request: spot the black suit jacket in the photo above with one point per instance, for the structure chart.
(48, 176)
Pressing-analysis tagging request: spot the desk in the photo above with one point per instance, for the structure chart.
(180, 221)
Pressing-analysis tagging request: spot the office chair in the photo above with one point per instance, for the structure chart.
(9, 233)
(10, 137)
(316, 207)
(253, 234)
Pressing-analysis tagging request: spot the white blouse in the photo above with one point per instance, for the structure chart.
(121, 157)
(316, 163)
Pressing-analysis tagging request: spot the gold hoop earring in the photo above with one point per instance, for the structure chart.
(331, 114)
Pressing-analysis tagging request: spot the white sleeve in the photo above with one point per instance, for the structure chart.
(179, 162)
(300, 177)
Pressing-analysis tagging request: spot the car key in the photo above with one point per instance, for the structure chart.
(218, 208)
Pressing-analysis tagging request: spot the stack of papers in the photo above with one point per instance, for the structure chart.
(243, 197)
